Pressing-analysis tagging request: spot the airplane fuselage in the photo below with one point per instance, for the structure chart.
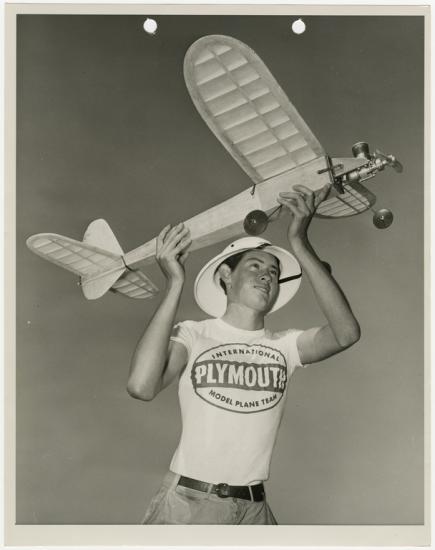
(225, 220)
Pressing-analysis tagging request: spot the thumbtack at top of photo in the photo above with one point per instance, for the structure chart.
(298, 26)
(150, 26)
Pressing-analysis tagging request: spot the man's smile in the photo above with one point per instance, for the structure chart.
(263, 288)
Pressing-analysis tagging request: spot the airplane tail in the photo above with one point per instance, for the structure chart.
(98, 260)
(99, 234)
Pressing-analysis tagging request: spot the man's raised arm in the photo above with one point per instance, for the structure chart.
(342, 329)
(156, 360)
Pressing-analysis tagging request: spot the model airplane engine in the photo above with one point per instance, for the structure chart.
(257, 221)
(376, 162)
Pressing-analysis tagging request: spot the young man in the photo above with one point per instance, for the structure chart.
(233, 373)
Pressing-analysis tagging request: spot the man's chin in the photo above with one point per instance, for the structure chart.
(264, 306)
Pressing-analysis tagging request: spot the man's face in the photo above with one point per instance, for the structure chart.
(254, 281)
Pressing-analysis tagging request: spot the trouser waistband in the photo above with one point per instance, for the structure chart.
(223, 490)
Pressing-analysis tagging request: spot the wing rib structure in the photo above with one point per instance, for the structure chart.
(246, 109)
(355, 199)
(98, 261)
(83, 259)
(250, 114)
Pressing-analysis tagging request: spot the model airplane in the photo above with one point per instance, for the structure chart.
(250, 114)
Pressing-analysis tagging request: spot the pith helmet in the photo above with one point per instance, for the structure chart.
(210, 296)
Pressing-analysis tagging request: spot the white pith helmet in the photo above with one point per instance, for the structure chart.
(211, 297)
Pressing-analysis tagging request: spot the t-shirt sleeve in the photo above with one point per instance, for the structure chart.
(291, 337)
(183, 333)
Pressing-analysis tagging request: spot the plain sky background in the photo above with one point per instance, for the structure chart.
(106, 128)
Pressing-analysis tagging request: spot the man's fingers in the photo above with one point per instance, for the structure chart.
(291, 195)
(167, 233)
(294, 197)
(173, 251)
(172, 241)
(297, 199)
(294, 205)
(303, 195)
(306, 192)
(304, 203)
(322, 193)
(175, 235)
(174, 231)
(161, 236)
(302, 188)
(184, 243)
(312, 199)
(183, 257)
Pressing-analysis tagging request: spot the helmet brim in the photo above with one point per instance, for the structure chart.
(211, 297)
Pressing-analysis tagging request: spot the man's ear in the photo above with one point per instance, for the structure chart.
(225, 274)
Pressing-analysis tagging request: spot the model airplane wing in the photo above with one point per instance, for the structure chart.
(246, 109)
(355, 199)
(252, 117)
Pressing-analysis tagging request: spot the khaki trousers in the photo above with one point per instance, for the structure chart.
(174, 504)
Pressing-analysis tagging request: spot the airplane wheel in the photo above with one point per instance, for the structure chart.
(383, 218)
(255, 222)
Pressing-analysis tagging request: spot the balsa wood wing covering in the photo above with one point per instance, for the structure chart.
(252, 117)
(135, 284)
(81, 258)
(247, 110)
(355, 199)
(99, 269)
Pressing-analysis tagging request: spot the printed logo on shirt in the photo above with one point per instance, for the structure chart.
(240, 377)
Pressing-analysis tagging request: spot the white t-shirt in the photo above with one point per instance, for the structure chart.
(232, 394)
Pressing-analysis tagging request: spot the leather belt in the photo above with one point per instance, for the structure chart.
(223, 490)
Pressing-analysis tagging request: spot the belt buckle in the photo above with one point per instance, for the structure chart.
(223, 490)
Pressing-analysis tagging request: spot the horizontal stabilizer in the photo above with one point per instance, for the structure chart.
(355, 199)
(98, 269)
(96, 286)
(135, 284)
(81, 258)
